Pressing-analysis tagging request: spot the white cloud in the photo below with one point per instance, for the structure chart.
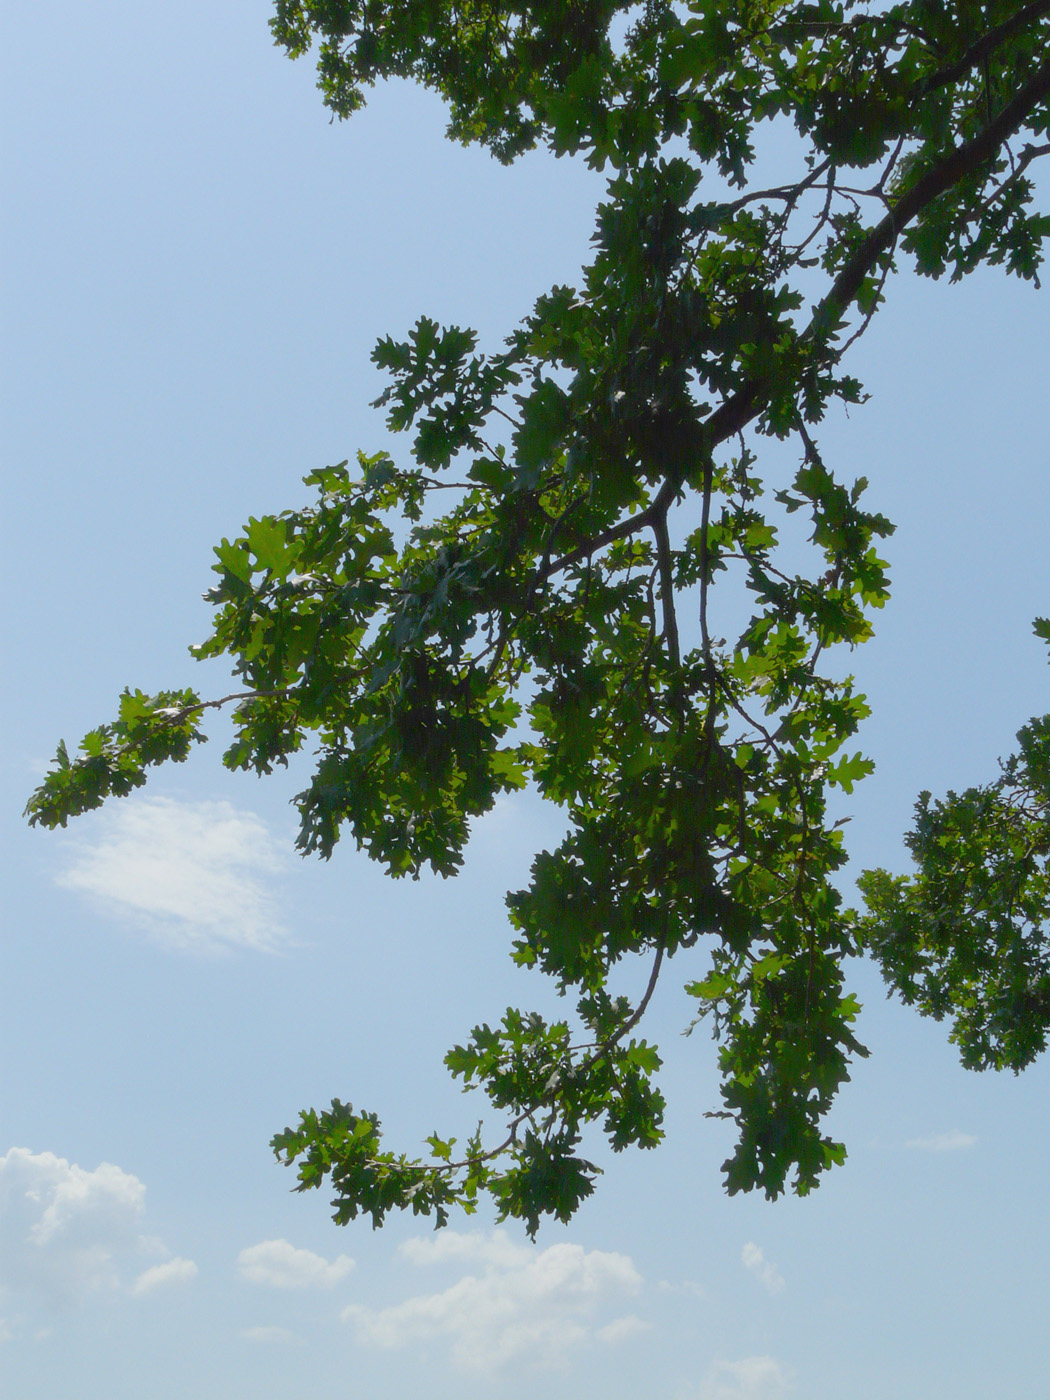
(161, 1275)
(281, 1265)
(954, 1141)
(496, 1249)
(684, 1286)
(526, 1305)
(754, 1378)
(67, 1233)
(768, 1275)
(620, 1328)
(280, 1335)
(194, 875)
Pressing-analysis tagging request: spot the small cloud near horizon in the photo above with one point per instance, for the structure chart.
(162, 1275)
(278, 1264)
(955, 1141)
(68, 1234)
(521, 1305)
(280, 1335)
(753, 1378)
(767, 1273)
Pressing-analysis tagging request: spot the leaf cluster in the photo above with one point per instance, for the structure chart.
(965, 937)
(580, 581)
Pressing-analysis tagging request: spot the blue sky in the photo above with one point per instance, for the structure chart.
(196, 265)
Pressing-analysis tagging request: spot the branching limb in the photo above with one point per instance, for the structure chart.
(601, 1052)
(984, 47)
(745, 405)
(705, 557)
(177, 715)
(663, 554)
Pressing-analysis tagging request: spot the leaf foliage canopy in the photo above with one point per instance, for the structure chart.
(535, 597)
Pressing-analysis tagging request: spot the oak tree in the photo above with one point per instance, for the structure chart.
(533, 594)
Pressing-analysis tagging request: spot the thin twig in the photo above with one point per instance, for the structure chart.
(983, 47)
(600, 1053)
(176, 715)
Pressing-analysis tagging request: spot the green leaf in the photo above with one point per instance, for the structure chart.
(578, 576)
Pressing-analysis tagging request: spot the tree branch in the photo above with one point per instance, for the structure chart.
(983, 47)
(176, 714)
(620, 531)
(598, 1054)
(663, 554)
(737, 412)
(956, 164)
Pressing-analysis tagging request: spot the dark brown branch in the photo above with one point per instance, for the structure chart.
(1020, 165)
(983, 47)
(737, 412)
(599, 1053)
(876, 302)
(630, 526)
(663, 554)
(705, 582)
(822, 221)
(788, 193)
(959, 162)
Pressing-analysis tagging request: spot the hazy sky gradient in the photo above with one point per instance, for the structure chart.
(196, 266)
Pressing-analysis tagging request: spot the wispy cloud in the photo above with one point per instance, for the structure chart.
(621, 1328)
(194, 875)
(754, 1378)
(280, 1335)
(67, 1233)
(497, 1249)
(955, 1141)
(163, 1275)
(523, 1305)
(280, 1265)
(684, 1286)
(767, 1273)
